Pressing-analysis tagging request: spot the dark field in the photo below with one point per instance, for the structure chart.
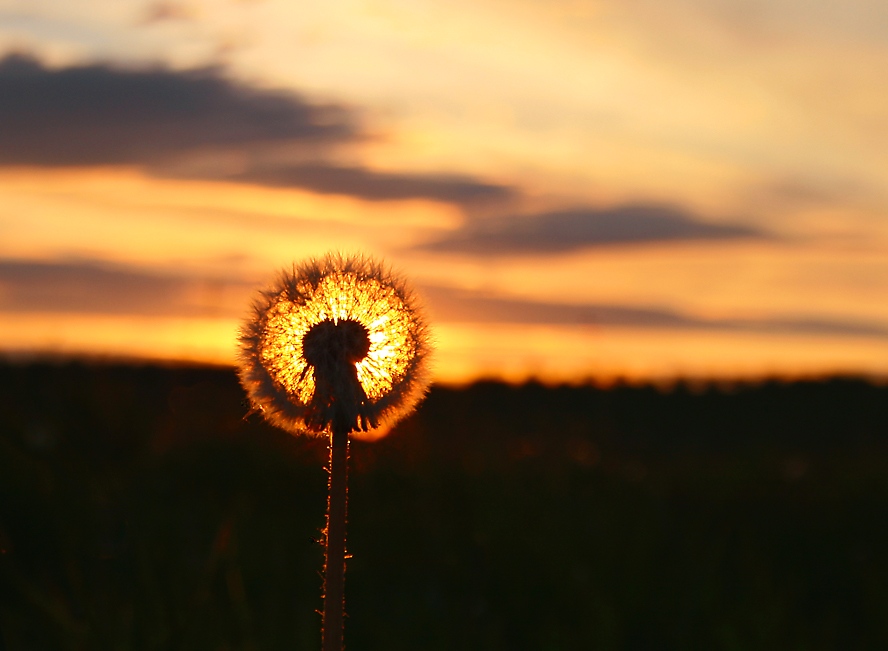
(138, 510)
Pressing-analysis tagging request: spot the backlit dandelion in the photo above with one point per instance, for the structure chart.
(335, 339)
(335, 346)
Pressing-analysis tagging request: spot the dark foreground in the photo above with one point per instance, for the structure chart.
(138, 510)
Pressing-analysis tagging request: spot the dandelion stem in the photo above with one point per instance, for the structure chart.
(334, 568)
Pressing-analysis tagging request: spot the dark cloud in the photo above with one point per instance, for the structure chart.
(473, 307)
(569, 230)
(375, 186)
(89, 287)
(97, 114)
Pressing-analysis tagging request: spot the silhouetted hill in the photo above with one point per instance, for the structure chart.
(139, 509)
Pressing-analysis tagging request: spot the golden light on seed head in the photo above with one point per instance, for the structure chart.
(335, 341)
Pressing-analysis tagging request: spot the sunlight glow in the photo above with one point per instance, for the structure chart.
(305, 387)
(337, 297)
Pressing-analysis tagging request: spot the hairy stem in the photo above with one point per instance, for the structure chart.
(334, 567)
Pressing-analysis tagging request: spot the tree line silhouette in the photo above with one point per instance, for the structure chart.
(140, 509)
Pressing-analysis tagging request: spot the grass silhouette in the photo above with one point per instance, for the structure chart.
(138, 510)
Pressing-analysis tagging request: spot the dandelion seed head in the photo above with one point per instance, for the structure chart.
(335, 340)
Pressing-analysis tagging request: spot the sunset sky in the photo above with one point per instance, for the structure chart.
(643, 189)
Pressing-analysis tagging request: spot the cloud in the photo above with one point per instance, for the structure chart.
(98, 114)
(476, 307)
(570, 230)
(92, 287)
(372, 185)
(162, 11)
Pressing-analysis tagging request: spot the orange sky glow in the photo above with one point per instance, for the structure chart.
(579, 190)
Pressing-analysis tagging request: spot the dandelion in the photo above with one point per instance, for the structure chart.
(337, 345)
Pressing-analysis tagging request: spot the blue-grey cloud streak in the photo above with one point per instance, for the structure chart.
(93, 287)
(326, 178)
(477, 307)
(563, 231)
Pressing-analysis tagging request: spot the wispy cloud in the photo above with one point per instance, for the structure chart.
(477, 307)
(368, 184)
(94, 287)
(569, 230)
(163, 10)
